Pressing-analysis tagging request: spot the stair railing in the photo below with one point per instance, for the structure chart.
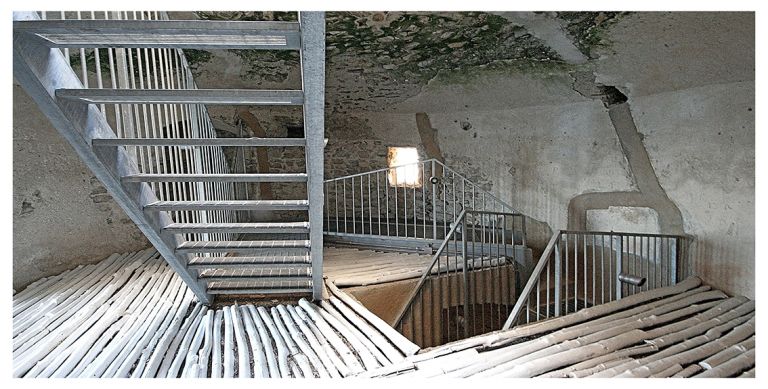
(154, 151)
(42, 70)
(376, 208)
(579, 269)
(470, 285)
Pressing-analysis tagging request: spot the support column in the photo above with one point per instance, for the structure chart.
(313, 84)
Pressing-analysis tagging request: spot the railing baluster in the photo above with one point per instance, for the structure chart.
(558, 274)
(386, 193)
(584, 254)
(424, 201)
(567, 275)
(575, 272)
(354, 220)
(362, 208)
(405, 211)
(465, 275)
(344, 205)
(453, 192)
(445, 219)
(336, 203)
(370, 207)
(549, 290)
(434, 200)
(378, 203)
(602, 268)
(594, 279)
(414, 212)
(397, 215)
(619, 267)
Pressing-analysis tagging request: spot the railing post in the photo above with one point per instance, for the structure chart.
(619, 260)
(673, 265)
(313, 85)
(434, 202)
(558, 276)
(465, 274)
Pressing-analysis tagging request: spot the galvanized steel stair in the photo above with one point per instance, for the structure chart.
(214, 261)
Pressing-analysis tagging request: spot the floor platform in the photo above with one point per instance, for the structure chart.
(131, 316)
(348, 267)
(686, 330)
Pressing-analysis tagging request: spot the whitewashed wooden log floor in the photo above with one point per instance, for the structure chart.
(347, 267)
(688, 330)
(131, 316)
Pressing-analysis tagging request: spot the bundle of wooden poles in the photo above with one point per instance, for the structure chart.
(132, 316)
(686, 330)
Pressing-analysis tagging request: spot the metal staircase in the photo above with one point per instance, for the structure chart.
(139, 122)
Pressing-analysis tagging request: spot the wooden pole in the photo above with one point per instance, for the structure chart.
(349, 359)
(401, 342)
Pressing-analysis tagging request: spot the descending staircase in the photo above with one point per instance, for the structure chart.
(169, 175)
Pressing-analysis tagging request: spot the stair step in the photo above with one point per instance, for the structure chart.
(274, 274)
(249, 261)
(233, 177)
(246, 228)
(234, 142)
(292, 286)
(226, 246)
(183, 96)
(184, 34)
(233, 205)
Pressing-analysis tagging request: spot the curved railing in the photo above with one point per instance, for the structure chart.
(377, 206)
(470, 285)
(579, 269)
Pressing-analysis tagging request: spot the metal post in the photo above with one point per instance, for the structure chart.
(619, 251)
(465, 274)
(558, 276)
(673, 266)
(434, 202)
(313, 84)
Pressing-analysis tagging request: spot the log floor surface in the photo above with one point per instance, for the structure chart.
(348, 267)
(132, 316)
(686, 330)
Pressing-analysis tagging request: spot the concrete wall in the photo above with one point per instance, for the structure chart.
(62, 215)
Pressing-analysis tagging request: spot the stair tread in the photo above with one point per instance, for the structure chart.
(271, 272)
(244, 244)
(230, 204)
(238, 177)
(267, 260)
(278, 227)
(183, 96)
(199, 34)
(250, 142)
(260, 284)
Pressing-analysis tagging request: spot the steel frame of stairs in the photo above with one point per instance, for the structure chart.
(187, 210)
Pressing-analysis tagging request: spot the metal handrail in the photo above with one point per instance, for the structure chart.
(462, 297)
(360, 206)
(629, 263)
(428, 271)
(535, 274)
(431, 160)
